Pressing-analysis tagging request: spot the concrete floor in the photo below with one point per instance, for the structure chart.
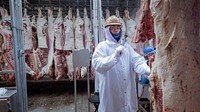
(63, 103)
(58, 98)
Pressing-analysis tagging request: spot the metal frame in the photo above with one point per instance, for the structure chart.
(81, 58)
(19, 57)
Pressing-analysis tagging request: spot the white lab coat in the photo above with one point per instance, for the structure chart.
(117, 83)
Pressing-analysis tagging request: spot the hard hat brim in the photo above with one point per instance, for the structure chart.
(112, 24)
(151, 52)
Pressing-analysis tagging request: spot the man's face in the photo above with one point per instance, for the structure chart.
(151, 57)
(115, 29)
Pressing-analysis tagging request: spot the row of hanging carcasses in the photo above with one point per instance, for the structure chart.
(48, 42)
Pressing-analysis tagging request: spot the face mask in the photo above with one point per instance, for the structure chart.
(116, 36)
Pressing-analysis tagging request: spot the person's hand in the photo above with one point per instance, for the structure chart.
(151, 60)
(119, 51)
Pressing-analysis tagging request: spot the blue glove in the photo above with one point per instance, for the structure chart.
(144, 80)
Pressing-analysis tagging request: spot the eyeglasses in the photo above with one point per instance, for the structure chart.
(115, 27)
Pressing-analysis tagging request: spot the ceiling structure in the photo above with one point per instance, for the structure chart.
(33, 5)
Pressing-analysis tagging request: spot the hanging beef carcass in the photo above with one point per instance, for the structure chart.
(7, 53)
(34, 61)
(5, 16)
(103, 21)
(107, 14)
(60, 62)
(47, 69)
(8, 61)
(59, 57)
(42, 30)
(7, 48)
(87, 39)
(42, 40)
(69, 42)
(87, 30)
(7, 39)
(5, 23)
(122, 22)
(34, 58)
(70, 65)
(68, 28)
(79, 31)
(78, 26)
(103, 29)
(175, 75)
(28, 43)
(59, 31)
(145, 28)
(28, 26)
(5, 30)
(143, 5)
(130, 28)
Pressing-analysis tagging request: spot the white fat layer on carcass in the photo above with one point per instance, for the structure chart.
(87, 29)
(33, 22)
(131, 27)
(6, 39)
(46, 68)
(78, 25)
(58, 28)
(28, 43)
(70, 65)
(51, 34)
(1, 41)
(58, 64)
(140, 10)
(35, 61)
(151, 42)
(122, 22)
(29, 70)
(8, 59)
(68, 28)
(4, 14)
(41, 30)
(5, 30)
(83, 72)
(107, 14)
(6, 35)
(5, 23)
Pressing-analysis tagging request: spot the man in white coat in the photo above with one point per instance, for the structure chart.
(116, 63)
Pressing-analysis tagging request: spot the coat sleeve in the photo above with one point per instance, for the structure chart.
(101, 62)
(139, 64)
